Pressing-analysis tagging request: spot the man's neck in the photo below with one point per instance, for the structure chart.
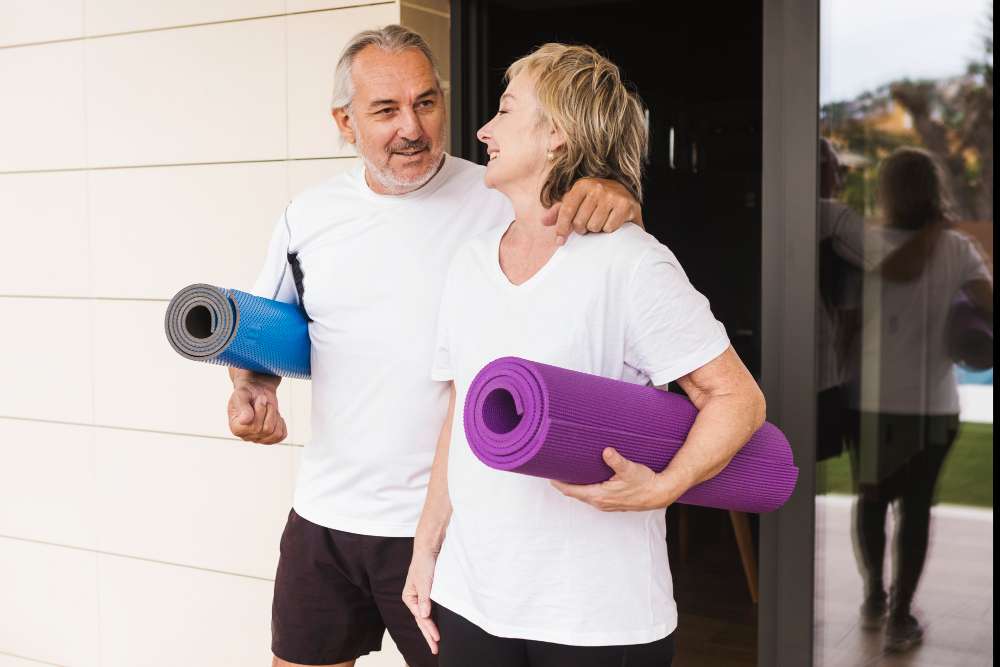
(380, 188)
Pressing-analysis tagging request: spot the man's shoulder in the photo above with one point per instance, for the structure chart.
(628, 243)
(336, 196)
(466, 168)
(342, 184)
(466, 178)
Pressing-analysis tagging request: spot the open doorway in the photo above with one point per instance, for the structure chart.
(699, 72)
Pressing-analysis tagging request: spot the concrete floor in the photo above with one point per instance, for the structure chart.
(954, 601)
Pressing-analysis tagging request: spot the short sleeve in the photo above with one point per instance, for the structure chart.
(845, 228)
(275, 280)
(671, 330)
(441, 364)
(973, 265)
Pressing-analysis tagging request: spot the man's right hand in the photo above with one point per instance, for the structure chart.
(253, 410)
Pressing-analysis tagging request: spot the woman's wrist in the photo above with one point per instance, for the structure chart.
(428, 540)
(668, 488)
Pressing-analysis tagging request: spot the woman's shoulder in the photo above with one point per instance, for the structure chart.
(628, 246)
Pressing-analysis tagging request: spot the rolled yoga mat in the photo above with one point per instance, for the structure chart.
(233, 328)
(969, 333)
(535, 419)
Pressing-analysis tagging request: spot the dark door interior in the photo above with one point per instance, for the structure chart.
(697, 67)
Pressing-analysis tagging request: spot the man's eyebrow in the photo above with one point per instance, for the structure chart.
(390, 102)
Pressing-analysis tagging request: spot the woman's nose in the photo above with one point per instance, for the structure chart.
(483, 133)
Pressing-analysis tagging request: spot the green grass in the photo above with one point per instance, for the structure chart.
(967, 478)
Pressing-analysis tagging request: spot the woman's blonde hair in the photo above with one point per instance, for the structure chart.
(581, 92)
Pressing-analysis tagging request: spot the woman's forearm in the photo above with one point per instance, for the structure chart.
(724, 424)
(437, 506)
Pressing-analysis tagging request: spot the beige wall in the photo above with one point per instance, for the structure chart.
(145, 146)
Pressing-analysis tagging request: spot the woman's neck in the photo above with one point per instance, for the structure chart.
(528, 244)
(528, 216)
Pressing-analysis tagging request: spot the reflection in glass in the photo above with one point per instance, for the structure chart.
(905, 314)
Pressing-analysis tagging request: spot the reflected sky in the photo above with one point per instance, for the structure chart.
(929, 39)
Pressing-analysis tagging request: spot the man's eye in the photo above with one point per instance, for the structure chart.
(501, 112)
(384, 112)
(427, 104)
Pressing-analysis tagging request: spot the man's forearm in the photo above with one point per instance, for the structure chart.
(724, 424)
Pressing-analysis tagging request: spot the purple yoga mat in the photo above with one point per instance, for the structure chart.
(551, 422)
(970, 334)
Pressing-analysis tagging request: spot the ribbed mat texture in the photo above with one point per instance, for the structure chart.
(535, 419)
(233, 328)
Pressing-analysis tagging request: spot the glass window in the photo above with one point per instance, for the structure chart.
(904, 506)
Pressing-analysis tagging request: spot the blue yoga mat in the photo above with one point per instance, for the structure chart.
(232, 328)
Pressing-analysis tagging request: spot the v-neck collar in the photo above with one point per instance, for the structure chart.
(536, 278)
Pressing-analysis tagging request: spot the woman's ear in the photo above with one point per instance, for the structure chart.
(557, 139)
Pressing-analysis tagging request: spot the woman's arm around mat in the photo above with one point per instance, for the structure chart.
(430, 535)
(730, 409)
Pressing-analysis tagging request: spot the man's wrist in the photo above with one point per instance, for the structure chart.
(243, 378)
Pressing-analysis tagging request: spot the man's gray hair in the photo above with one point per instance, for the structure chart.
(391, 38)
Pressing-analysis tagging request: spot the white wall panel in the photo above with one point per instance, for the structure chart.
(206, 94)
(23, 21)
(48, 483)
(42, 124)
(313, 5)
(110, 16)
(159, 229)
(46, 365)
(140, 382)
(49, 603)
(7, 660)
(46, 246)
(314, 43)
(156, 615)
(215, 504)
(304, 174)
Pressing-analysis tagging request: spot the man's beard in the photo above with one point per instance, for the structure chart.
(388, 178)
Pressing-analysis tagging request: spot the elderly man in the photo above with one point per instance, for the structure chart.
(365, 255)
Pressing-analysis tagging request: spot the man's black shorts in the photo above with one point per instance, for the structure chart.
(336, 593)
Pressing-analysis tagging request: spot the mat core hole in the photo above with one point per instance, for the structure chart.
(198, 322)
(499, 412)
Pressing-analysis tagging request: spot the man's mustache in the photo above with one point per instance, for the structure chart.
(409, 146)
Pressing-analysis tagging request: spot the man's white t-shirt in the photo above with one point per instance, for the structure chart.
(519, 558)
(371, 269)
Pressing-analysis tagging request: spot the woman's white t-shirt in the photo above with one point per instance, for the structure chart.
(520, 559)
(905, 367)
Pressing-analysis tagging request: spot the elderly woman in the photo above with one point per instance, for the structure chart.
(521, 570)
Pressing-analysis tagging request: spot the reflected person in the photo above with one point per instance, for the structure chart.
(903, 396)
